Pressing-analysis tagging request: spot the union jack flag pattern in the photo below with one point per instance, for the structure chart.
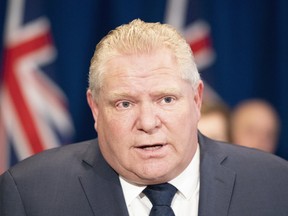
(33, 109)
(185, 16)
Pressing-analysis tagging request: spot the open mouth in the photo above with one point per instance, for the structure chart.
(151, 147)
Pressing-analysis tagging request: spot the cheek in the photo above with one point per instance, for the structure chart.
(183, 124)
(112, 137)
(120, 125)
(114, 129)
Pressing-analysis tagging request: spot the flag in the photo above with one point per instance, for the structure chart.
(187, 17)
(34, 114)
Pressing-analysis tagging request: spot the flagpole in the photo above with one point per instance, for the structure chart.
(173, 9)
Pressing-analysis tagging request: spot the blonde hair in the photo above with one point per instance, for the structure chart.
(139, 37)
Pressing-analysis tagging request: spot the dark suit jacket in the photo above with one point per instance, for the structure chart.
(76, 180)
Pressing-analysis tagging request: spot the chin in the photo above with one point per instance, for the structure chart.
(155, 176)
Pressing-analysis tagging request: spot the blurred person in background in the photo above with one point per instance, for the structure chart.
(255, 124)
(215, 120)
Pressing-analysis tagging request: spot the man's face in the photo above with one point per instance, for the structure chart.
(146, 117)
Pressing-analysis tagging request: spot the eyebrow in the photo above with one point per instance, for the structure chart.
(123, 94)
(116, 95)
(168, 90)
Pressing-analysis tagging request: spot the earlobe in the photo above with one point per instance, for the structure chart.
(93, 106)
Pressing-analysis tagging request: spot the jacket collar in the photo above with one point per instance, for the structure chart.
(101, 184)
(216, 181)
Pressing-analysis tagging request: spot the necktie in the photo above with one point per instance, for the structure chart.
(161, 196)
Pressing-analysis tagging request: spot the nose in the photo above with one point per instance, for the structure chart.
(148, 119)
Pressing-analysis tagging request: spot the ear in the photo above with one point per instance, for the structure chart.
(93, 106)
(198, 96)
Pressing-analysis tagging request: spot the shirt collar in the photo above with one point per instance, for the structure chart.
(130, 191)
(186, 182)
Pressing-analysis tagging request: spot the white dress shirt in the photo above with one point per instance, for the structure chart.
(185, 201)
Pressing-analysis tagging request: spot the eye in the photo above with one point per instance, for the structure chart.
(123, 104)
(167, 100)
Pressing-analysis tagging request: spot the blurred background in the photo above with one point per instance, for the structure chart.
(241, 49)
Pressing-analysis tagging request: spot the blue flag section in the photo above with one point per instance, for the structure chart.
(241, 50)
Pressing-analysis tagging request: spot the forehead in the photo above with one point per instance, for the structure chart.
(157, 71)
(142, 65)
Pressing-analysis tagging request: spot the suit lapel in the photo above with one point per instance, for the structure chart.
(101, 185)
(216, 181)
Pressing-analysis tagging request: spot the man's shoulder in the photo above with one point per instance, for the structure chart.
(253, 157)
(53, 160)
(243, 158)
(258, 179)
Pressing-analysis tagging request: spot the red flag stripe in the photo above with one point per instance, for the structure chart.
(202, 43)
(22, 49)
(21, 107)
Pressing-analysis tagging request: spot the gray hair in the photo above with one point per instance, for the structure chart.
(139, 37)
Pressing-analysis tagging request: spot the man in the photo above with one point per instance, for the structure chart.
(145, 95)
(255, 124)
